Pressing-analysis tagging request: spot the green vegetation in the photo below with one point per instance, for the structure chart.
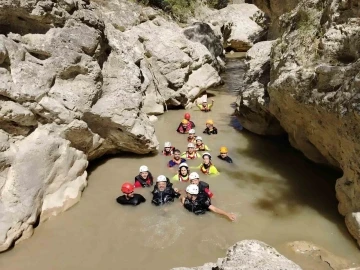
(181, 10)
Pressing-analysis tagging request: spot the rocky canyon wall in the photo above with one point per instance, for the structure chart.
(311, 87)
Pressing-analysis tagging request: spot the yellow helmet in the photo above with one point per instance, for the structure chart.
(184, 121)
(210, 122)
(223, 150)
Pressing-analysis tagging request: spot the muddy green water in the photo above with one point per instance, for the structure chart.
(277, 195)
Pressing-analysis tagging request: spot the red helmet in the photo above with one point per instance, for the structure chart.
(127, 188)
(187, 116)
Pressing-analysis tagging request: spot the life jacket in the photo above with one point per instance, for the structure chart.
(193, 156)
(170, 153)
(205, 170)
(181, 128)
(166, 196)
(206, 108)
(201, 147)
(183, 178)
(193, 140)
(199, 206)
(139, 181)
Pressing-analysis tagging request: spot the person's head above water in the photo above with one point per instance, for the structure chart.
(206, 157)
(209, 123)
(187, 116)
(177, 154)
(161, 182)
(184, 169)
(192, 133)
(198, 140)
(192, 191)
(144, 171)
(223, 151)
(194, 178)
(128, 189)
(167, 146)
(204, 103)
(191, 148)
(184, 122)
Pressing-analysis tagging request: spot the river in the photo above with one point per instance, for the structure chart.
(277, 195)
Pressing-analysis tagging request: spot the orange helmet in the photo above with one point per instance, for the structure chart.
(187, 116)
(184, 121)
(210, 122)
(127, 188)
(223, 150)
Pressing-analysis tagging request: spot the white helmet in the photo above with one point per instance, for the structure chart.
(192, 189)
(144, 168)
(191, 145)
(194, 175)
(206, 154)
(183, 165)
(167, 144)
(192, 131)
(161, 178)
(198, 138)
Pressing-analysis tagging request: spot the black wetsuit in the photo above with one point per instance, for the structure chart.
(136, 200)
(166, 196)
(227, 159)
(207, 131)
(199, 206)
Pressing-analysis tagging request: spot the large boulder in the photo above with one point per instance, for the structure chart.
(314, 91)
(253, 103)
(241, 26)
(249, 254)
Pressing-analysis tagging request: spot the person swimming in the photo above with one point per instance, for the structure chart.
(207, 167)
(200, 146)
(144, 179)
(129, 197)
(197, 204)
(191, 138)
(164, 193)
(210, 129)
(184, 127)
(183, 173)
(224, 155)
(177, 159)
(168, 149)
(204, 106)
(191, 152)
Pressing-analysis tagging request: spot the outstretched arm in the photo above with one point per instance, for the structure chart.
(214, 209)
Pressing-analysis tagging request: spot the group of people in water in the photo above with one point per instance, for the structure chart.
(198, 195)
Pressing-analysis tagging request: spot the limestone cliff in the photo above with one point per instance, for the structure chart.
(314, 91)
(77, 80)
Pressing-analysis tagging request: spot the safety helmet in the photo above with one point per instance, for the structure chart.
(127, 188)
(223, 150)
(187, 116)
(161, 178)
(192, 189)
(206, 154)
(210, 122)
(183, 165)
(192, 131)
(167, 144)
(143, 168)
(191, 145)
(194, 175)
(184, 121)
(198, 138)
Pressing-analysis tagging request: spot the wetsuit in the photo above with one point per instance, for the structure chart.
(166, 196)
(181, 129)
(141, 182)
(136, 200)
(202, 147)
(193, 140)
(173, 162)
(227, 159)
(199, 206)
(204, 189)
(209, 132)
